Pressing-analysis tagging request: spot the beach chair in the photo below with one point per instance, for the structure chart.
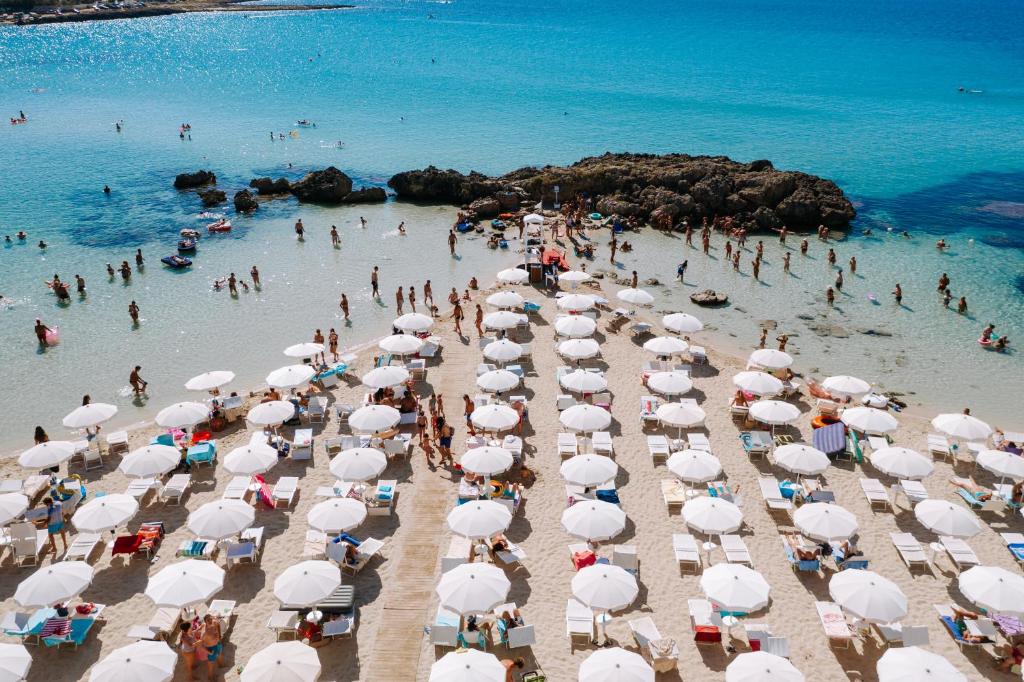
(833, 622)
(960, 553)
(661, 653)
(564, 402)
(799, 565)
(198, 548)
(684, 546)
(82, 547)
(281, 622)
(316, 410)
(397, 447)
(938, 445)
(910, 550)
(247, 548)
(161, 626)
(601, 442)
(92, 458)
(75, 636)
(513, 556)
(1015, 544)
(875, 493)
(705, 623)
(753, 445)
(674, 493)
(140, 488)
(624, 556)
(772, 494)
(175, 488)
(284, 491)
(117, 441)
(983, 627)
(26, 626)
(367, 549)
(914, 491)
(736, 551)
(648, 410)
(739, 412)
(332, 445)
(237, 488)
(382, 502)
(568, 445)
(458, 553)
(202, 453)
(698, 441)
(28, 542)
(444, 631)
(579, 623)
(658, 448)
(826, 407)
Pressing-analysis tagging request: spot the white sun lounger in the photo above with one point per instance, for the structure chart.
(960, 553)
(913, 490)
(1015, 543)
(833, 622)
(237, 488)
(648, 409)
(674, 493)
(772, 495)
(458, 553)
(568, 446)
(579, 623)
(684, 546)
(698, 441)
(160, 626)
(909, 549)
(248, 547)
(367, 549)
(315, 545)
(650, 641)
(735, 549)
(141, 487)
(602, 443)
(658, 448)
(285, 490)
(82, 546)
(875, 493)
(175, 488)
(939, 445)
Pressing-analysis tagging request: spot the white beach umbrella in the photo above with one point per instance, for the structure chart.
(589, 470)
(221, 519)
(605, 587)
(290, 376)
(761, 666)
(902, 463)
(868, 596)
(825, 522)
(993, 588)
(253, 458)
(467, 665)
(758, 383)
(15, 662)
(712, 515)
(501, 319)
(208, 381)
(271, 413)
(869, 420)
(358, 464)
(801, 458)
(844, 385)
(735, 587)
(1002, 463)
(505, 299)
(579, 349)
(479, 519)
(513, 276)
(105, 513)
(913, 664)
(582, 381)
(503, 350)
(47, 455)
(575, 276)
(90, 415)
(635, 296)
(283, 662)
(594, 520)
(575, 326)
(307, 582)
(694, 466)
(945, 518)
(681, 323)
(670, 383)
(774, 412)
(473, 588)
(533, 218)
(770, 358)
(487, 460)
(400, 344)
(585, 418)
(413, 323)
(304, 350)
(143, 660)
(336, 515)
(150, 461)
(185, 583)
(182, 415)
(680, 415)
(495, 417)
(666, 345)
(12, 505)
(374, 419)
(497, 381)
(962, 426)
(615, 665)
(55, 583)
(576, 302)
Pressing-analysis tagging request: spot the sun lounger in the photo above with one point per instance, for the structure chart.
(567, 445)
(756, 443)
(1015, 543)
(445, 629)
(826, 407)
(282, 622)
(564, 402)
(698, 441)
(284, 491)
(661, 653)
(316, 410)
(736, 551)
(705, 623)
(117, 441)
(579, 623)
(26, 626)
(397, 447)
(982, 630)
(914, 491)
(601, 442)
(140, 488)
(75, 636)
(382, 500)
(648, 409)
(198, 548)
(514, 555)
(658, 448)
(248, 547)
(146, 541)
(202, 453)
(875, 493)
(163, 624)
(939, 445)
(367, 549)
(833, 622)
(237, 488)
(458, 553)
(772, 494)
(624, 556)
(82, 546)
(960, 553)
(175, 488)
(799, 565)
(28, 542)
(684, 546)
(315, 545)
(910, 550)
(674, 493)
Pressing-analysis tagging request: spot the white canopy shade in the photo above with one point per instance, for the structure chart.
(761, 666)
(902, 463)
(582, 381)
(666, 345)
(594, 520)
(208, 381)
(585, 418)
(681, 415)
(575, 276)
(868, 596)
(150, 461)
(913, 664)
(385, 377)
(221, 519)
(497, 381)
(615, 665)
(670, 383)
(400, 344)
(283, 662)
(1002, 463)
(487, 460)
(579, 349)
(12, 505)
(770, 358)
(467, 665)
(605, 587)
(993, 588)
(774, 412)
(336, 515)
(945, 518)
(758, 383)
(533, 218)
(479, 519)
(413, 322)
(47, 455)
(589, 470)
(503, 350)
(105, 513)
(185, 583)
(15, 662)
(55, 583)
(473, 588)
(734, 587)
(576, 302)
(869, 420)
(694, 466)
(712, 515)
(374, 419)
(358, 464)
(962, 426)
(635, 296)
(843, 385)
(506, 298)
(575, 326)
(513, 276)
(254, 458)
(801, 458)
(501, 319)
(494, 417)
(307, 582)
(144, 660)
(182, 415)
(90, 415)
(825, 522)
(271, 413)
(290, 376)
(304, 350)
(681, 323)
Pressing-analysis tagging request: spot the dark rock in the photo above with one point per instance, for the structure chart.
(874, 332)
(329, 186)
(268, 187)
(212, 197)
(245, 202)
(709, 297)
(366, 195)
(662, 213)
(488, 207)
(652, 282)
(805, 316)
(193, 180)
(614, 206)
(509, 201)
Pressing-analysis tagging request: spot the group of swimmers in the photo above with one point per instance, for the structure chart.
(21, 118)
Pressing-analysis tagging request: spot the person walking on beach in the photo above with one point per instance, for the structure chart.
(681, 271)
(344, 305)
(232, 284)
(412, 298)
(399, 300)
(41, 331)
(839, 280)
(830, 295)
(375, 281)
(467, 409)
(133, 311)
(300, 231)
(962, 306)
(55, 523)
(318, 337)
(452, 241)
(803, 247)
(853, 265)
(138, 383)
(634, 280)
(782, 234)
(335, 239)
(479, 321)
(736, 261)
(756, 265)
(785, 262)
(764, 337)
(706, 243)
(457, 315)
(831, 257)
(332, 342)
(728, 249)
(898, 293)
(614, 244)
(255, 276)
(362, 222)
(138, 259)
(428, 293)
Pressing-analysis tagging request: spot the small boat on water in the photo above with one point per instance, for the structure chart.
(189, 233)
(186, 245)
(222, 225)
(176, 262)
(305, 123)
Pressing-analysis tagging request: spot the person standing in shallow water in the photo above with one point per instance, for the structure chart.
(898, 294)
(133, 311)
(375, 281)
(233, 284)
(255, 276)
(344, 305)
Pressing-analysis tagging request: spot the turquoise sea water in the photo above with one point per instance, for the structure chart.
(864, 93)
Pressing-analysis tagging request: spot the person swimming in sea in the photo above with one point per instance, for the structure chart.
(110, 271)
(986, 333)
(42, 245)
(941, 244)
(21, 235)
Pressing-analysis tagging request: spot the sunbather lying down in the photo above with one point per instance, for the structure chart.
(802, 553)
(959, 617)
(973, 487)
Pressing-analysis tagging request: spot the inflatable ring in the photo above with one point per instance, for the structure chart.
(595, 216)
(823, 420)
(64, 491)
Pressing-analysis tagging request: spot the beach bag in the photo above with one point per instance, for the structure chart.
(583, 559)
(608, 496)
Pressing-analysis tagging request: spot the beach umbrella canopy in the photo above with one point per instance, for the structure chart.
(304, 350)
(666, 345)
(473, 588)
(913, 664)
(271, 413)
(503, 350)
(290, 376)
(487, 460)
(993, 588)
(635, 296)
(533, 218)
(105, 513)
(582, 381)
(283, 662)
(825, 522)
(221, 519)
(255, 458)
(53, 584)
(479, 519)
(843, 385)
(801, 458)
(670, 383)
(575, 326)
(513, 276)
(605, 587)
(694, 466)
(945, 518)
(681, 415)
(47, 455)
(497, 381)
(594, 520)
(336, 515)
(962, 426)
(385, 377)
(182, 415)
(869, 420)
(575, 276)
(770, 358)
(15, 662)
(501, 319)
(682, 323)
(467, 665)
(505, 299)
(589, 470)
(143, 660)
(495, 417)
(578, 349)
(400, 344)
(307, 582)
(758, 383)
(12, 505)
(712, 515)
(208, 381)
(358, 464)
(868, 596)
(585, 418)
(150, 461)
(735, 587)
(774, 412)
(576, 302)
(185, 583)
(90, 415)
(1002, 463)
(413, 322)
(615, 664)
(374, 419)
(761, 666)
(902, 463)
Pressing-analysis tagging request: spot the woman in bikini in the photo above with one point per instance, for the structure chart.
(212, 642)
(187, 647)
